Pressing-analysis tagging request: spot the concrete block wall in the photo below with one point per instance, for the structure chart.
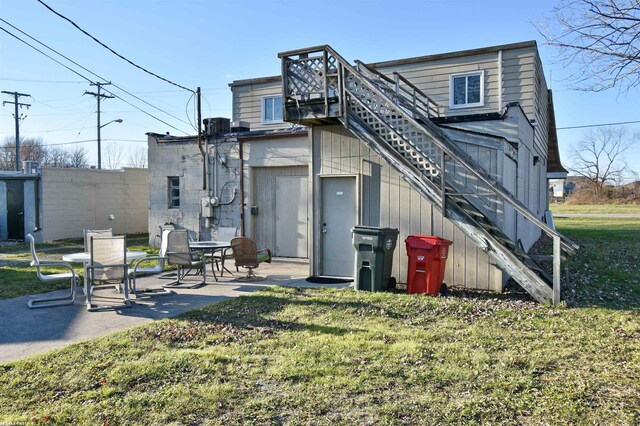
(75, 199)
(181, 157)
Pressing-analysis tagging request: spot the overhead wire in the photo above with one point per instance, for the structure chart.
(94, 74)
(598, 125)
(111, 50)
(40, 51)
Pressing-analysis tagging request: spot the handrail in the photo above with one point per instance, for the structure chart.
(414, 87)
(452, 150)
(427, 108)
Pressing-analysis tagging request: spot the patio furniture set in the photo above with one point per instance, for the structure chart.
(107, 264)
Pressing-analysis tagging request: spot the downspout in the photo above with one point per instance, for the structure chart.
(242, 204)
(202, 151)
(500, 102)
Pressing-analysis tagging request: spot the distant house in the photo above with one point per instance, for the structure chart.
(58, 203)
(458, 145)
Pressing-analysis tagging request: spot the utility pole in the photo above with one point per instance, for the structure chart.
(17, 117)
(99, 96)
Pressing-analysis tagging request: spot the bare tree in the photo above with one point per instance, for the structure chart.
(31, 149)
(599, 156)
(34, 149)
(78, 157)
(601, 37)
(112, 155)
(56, 157)
(138, 158)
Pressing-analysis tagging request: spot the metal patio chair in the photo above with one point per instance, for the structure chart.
(160, 259)
(88, 233)
(179, 254)
(108, 266)
(69, 298)
(247, 255)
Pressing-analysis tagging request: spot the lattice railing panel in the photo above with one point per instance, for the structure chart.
(389, 122)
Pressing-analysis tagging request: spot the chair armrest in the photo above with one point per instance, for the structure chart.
(137, 262)
(268, 251)
(198, 253)
(54, 263)
(110, 265)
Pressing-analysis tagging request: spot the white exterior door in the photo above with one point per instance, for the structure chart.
(291, 216)
(339, 216)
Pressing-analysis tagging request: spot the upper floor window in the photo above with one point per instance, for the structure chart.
(272, 109)
(174, 192)
(466, 90)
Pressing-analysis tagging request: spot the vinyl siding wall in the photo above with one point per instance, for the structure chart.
(247, 104)
(387, 200)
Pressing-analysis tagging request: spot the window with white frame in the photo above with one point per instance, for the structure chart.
(173, 198)
(466, 90)
(272, 109)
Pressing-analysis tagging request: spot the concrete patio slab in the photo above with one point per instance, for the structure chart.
(25, 332)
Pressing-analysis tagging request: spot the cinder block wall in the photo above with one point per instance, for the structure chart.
(181, 157)
(75, 199)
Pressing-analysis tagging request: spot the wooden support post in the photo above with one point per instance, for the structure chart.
(325, 66)
(285, 90)
(442, 183)
(556, 269)
(343, 94)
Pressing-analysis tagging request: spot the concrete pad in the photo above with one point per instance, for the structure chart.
(25, 331)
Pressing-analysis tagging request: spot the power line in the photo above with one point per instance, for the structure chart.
(40, 51)
(96, 75)
(111, 50)
(598, 125)
(41, 81)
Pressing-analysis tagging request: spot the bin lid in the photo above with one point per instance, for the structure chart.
(373, 230)
(426, 241)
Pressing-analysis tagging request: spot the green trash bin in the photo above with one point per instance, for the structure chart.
(374, 257)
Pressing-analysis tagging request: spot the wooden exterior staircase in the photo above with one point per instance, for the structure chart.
(394, 118)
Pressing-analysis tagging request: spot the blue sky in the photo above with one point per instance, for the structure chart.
(211, 43)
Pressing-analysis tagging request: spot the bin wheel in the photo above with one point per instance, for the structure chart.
(392, 282)
(443, 289)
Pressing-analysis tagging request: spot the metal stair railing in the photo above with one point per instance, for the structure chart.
(390, 113)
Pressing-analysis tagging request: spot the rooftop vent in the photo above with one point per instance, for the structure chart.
(31, 167)
(216, 126)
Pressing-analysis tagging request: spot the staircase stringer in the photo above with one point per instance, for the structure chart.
(502, 256)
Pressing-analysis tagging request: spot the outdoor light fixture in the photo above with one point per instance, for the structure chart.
(118, 120)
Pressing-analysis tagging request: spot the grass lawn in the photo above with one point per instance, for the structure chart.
(291, 356)
(19, 279)
(596, 208)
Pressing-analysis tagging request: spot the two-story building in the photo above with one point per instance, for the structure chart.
(456, 145)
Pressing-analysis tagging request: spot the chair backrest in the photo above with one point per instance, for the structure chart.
(226, 233)
(107, 251)
(88, 233)
(178, 242)
(164, 243)
(245, 252)
(32, 243)
(36, 261)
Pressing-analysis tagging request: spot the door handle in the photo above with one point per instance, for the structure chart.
(324, 228)
(21, 213)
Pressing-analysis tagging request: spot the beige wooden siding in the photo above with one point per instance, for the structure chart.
(247, 104)
(263, 195)
(388, 201)
(433, 78)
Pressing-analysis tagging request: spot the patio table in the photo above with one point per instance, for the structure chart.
(212, 246)
(85, 258)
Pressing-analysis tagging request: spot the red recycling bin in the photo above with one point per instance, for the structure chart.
(427, 259)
